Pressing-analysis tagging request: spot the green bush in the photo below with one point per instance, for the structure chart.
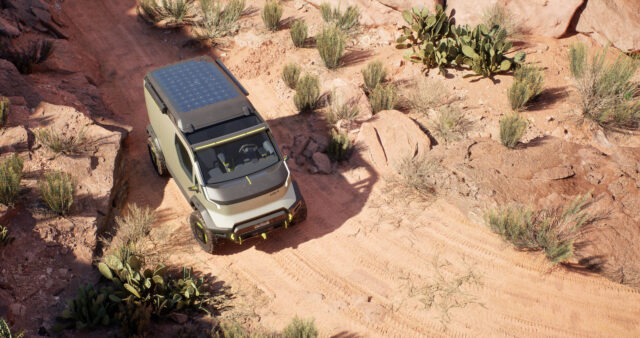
(527, 85)
(57, 190)
(291, 75)
(346, 22)
(299, 33)
(271, 14)
(415, 173)
(330, 44)
(170, 12)
(499, 15)
(340, 146)
(553, 231)
(58, 143)
(300, 328)
(4, 109)
(10, 177)
(5, 330)
(307, 93)
(218, 21)
(450, 124)
(512, 127)
(383, 97)
(5, 239)
(373, 74)
(24, 59)
(608, 93)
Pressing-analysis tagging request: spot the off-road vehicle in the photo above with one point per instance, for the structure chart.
(221, 153)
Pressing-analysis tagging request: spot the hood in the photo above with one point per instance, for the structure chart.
(250, 186)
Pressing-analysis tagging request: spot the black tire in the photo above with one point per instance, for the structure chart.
(157, 160)
(302, 214)
(202, 236)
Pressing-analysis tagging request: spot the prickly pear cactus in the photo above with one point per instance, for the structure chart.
(485, 51)
(91, 308)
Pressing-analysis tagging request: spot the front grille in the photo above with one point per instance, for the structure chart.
(259, 225)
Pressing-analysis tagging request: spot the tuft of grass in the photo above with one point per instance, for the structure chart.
(498, 14)
(553, 231)
(170, 12)
(231, 329)
(24, 59)
(300, 328)
(341, 110)
(57, 190)
(218, 21)
(307, 93)
(10, 177)
(340, 147)
(415, 173)
(299, 32)
(291, 74)
(609, 95)
(346, 22)
(271, 14)
(512, 127)
(130, 229)
(58, 143)
(427, 93)
(450, 124)
(527, 85)
(373, 74)
(5, 330)
(330, 44)
(5, 239)
(4, 110)
(383, 97)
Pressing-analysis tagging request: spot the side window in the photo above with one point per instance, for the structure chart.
(184, 157)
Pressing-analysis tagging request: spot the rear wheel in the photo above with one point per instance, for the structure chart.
(156, 158)
(202, 236)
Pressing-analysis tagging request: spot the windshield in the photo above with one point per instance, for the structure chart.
(237, 158)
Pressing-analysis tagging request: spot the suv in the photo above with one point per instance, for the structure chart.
(221, 153)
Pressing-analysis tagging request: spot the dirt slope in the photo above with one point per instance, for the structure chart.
(358, 263)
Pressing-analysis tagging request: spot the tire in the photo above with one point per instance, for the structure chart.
(202, 236)
(157, 160)
(301, 215)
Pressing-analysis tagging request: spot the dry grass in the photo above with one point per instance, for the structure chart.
(299, 32)
(527, 85)
(10, 177)
(512, 128)
(450, 124)
(373, 74)
(383, 97)
(347, 22)
(217, 20)
(307, 93)
(168, 12)
(5, 239)
(130, 229)
(57, 190)
(417, 173)
(330, 44)
(58, 143)
(553, 231)
(341, 110)
(300, 328)
(340, 146)
(427, 93)
(4, 110)
(498, 14)
(271, 14)
(291, 74)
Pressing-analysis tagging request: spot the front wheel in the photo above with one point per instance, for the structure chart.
(202, 236)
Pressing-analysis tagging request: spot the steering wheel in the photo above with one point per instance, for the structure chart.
(245, 147)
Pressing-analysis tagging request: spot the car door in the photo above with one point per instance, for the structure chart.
(184, 173)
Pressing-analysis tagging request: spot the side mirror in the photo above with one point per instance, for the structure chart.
(194, 188)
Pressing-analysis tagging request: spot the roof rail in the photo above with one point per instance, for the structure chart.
(233, 78)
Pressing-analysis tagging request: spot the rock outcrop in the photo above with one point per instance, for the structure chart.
(616, 22)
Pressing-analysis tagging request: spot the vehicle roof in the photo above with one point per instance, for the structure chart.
(198, 93)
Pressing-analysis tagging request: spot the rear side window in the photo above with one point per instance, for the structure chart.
(183, 155)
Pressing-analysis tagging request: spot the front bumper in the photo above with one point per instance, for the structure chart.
(261, 225)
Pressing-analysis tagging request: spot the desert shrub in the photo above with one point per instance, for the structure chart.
(330, 44)
(450, 123)
(608, 92)
(383, 97)
(512, 127)
(218, 21)
(527, 85)
(170, 12)
(57, 190)
(271, 14)
(498, 14)
(291, 74)
(58, 143)
(25, 58)
(346, 22)
(300, 328)
(4, 109)
(90, 309)
(299, 33)
(307, 93)
(427, 93)
(5, 330)
(415, 173)
(231, 329)
(373, 74)
(554, 231)
(5, 239)
(341, 110)
(340, 146)
(10, 177)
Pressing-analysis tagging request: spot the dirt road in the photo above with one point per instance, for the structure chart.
(366, 262)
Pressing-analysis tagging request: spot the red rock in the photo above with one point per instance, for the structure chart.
(616, 22)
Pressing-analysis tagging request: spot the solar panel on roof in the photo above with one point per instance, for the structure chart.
(194, 84)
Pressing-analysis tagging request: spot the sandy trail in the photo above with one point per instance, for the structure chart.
(353, 264)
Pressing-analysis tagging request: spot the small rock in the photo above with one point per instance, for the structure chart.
(179, 318)
(557, 173)
(549, 118)
(8, 29)
(313, 169)
(299, 144)
(322, 162)
(312, 147)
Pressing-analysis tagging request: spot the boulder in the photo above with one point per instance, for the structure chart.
(13, 139)
(8, 28)
(391, 136)
(322, 162)
(616, 22)
(12, 83)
